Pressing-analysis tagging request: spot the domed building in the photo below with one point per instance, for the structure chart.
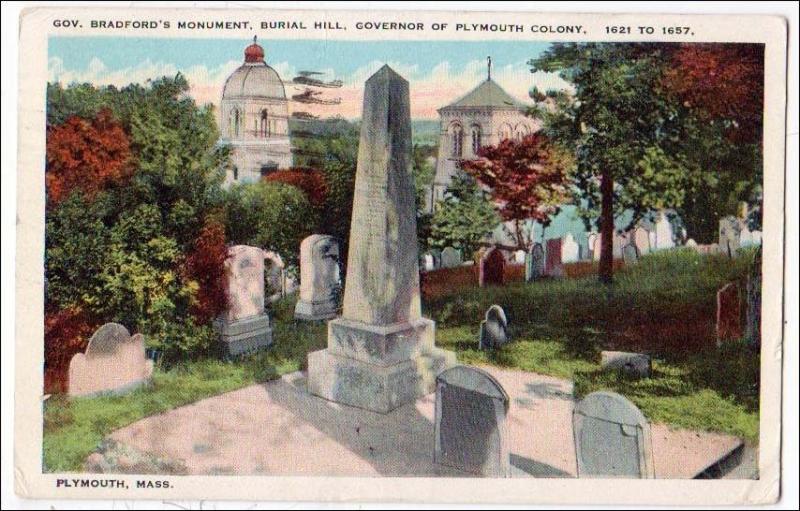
(254, 119)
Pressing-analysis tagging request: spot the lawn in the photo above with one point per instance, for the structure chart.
(664, 306)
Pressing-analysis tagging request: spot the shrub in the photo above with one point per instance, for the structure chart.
(311, 182)
(205, 266)
(66, 332)
(269, 215)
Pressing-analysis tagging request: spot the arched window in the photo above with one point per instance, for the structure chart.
(476, 138)
(236, 120)
(505, 132)
(235, 173)
(522, 131)
(458, 141)
(264, 124)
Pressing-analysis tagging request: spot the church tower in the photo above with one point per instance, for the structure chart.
(254, 119)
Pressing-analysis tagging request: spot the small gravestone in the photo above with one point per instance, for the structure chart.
(451, 257)
(665, 236)
(436, 254)
(631, 364)
(729, 317)
(245, 325)
(612, 438)
(534, 263)
(114, 362)
(730, 229)
(630, 254)
(320, 282)
(494, 329)
(470, 422)
(492, 268)
(753, 318)
(641, 238)
(570, 249)
(552, 264)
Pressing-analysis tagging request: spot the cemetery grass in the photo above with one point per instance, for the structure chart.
(663, 306)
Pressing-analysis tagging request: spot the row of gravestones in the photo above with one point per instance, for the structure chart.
(611, 435)
(435, 259)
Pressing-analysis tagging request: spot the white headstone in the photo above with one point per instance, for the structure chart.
(570, 250)
(665, 237)
(451, 257)
(320, 281)
(114, 362)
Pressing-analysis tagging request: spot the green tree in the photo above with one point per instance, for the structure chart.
(464, 217)
(270, 215)
(626, 137)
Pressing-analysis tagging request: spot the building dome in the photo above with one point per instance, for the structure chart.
(254, 78)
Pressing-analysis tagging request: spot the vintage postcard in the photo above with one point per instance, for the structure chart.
(400, 256)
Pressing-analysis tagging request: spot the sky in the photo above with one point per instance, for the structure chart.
(439, 72)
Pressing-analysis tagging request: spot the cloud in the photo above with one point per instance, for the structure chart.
(430, 90)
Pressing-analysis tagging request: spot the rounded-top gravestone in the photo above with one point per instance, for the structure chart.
(612, 438)
(320, 280)
(114, 362)
(470, 422)
(494, 329)
(492, 268)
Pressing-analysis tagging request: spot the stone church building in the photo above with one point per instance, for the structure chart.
(483, 117)
(254, 119)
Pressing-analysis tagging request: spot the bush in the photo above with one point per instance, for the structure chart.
(66, 332)
(204, 267)
(272, 216)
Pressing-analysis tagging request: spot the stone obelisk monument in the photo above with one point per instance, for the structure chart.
(381, 351)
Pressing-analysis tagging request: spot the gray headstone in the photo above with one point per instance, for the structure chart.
(632, 364)
(320, 282)
(470, 423)
(494, 329)
(612, 438)
(381, 352)
(451, 257)
(534, 263)
(106, 340)
(630, 254)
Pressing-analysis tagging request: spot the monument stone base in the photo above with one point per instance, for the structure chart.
(246, 335)
(315, 311)
(377, 368)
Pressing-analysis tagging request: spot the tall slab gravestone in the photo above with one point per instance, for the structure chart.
(552, 265)
(319, 278)
(114, 362)
(451, 257)
(534, 263)
(245, 325)
(381, 352)
(570, 249)
(612, 438)
(470, 422)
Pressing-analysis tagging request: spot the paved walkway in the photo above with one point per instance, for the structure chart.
(277, 428)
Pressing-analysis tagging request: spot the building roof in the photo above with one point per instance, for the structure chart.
(254, 78)
(487, 94)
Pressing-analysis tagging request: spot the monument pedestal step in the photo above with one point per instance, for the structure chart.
(315, 311)
(246, 335)
(374, 387)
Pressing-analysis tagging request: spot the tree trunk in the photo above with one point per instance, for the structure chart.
(606, 270)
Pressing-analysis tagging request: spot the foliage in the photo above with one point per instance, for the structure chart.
(310, 181)
(722, 83)
(527, 180)
(119, 253)
(87, 155)
(642, 137)
(423, 172)
(204, 266)
(334, 150)
(270, 215)
(464, 217)
(66, 332)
